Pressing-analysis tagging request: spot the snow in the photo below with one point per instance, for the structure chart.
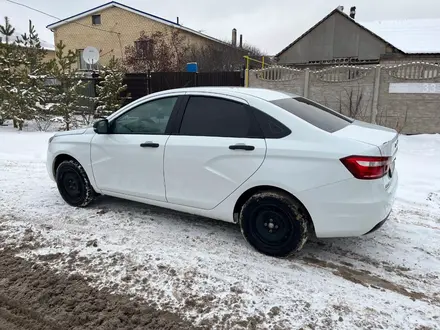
(204, 270)
(45, 44)
(411, 36)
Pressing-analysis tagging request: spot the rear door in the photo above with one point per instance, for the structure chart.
(218, 147)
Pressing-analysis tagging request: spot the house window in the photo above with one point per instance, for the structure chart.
(82, 65)
(144, 48)
(96, 19)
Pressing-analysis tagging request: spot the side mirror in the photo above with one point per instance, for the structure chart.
(101, 126)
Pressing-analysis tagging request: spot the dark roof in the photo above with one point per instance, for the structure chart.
(334, 11)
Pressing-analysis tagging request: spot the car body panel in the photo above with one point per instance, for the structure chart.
(75, 145)
(382, 137)
(349, 208)
(121, 165)
(200, 175)
(202, 171)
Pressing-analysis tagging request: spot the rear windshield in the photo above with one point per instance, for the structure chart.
(314, 113)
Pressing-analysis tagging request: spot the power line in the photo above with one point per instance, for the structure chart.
(118, 34)
(52, 16)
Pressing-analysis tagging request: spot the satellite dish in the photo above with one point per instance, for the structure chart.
(90, 55)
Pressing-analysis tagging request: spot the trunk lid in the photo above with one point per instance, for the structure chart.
(386, 139)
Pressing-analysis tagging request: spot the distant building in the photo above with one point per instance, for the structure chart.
(113, 26)
(48, 47)
(339, 39)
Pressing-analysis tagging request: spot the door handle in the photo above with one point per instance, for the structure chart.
(241, 147)
(149, 145)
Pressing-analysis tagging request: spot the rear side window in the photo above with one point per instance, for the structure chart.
(210, 116)
(314, 113)
(271, 128)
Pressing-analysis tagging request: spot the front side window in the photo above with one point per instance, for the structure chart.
(210, 116)
(148, 118)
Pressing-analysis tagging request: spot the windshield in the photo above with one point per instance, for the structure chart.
(314, 113)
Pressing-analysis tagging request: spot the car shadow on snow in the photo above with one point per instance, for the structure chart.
(345, 258)
(223, 230)
(105, 204)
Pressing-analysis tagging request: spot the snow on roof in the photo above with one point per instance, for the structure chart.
(45, 44)
(411, 36)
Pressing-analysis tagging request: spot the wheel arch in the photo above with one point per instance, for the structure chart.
(262, 188)
(59, 159)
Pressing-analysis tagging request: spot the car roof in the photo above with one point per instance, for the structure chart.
(244, 92)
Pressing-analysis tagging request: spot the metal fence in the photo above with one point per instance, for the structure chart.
(141, 84)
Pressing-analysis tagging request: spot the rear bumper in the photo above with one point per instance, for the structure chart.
(379, 225)
(351, 207)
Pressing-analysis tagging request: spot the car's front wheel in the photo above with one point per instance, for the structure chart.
(73, 184)
(274, 223)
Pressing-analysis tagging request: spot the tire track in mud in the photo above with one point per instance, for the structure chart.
(14, 315)
(368, 279)
(388, 267)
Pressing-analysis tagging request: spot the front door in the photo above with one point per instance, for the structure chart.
(129, 160)
(218, 148)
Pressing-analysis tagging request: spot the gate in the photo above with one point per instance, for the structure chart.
(141, 84)
(161, 81)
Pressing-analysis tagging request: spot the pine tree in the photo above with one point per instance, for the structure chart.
(110, 88)
(34, 51)
(22, 84)
(68, 96)
(36, 73)
(13, 78)
(6, 30)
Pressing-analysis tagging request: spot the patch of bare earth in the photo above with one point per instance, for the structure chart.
(34, 297)
(367, 279)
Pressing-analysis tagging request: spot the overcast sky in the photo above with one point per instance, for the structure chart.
(269, 25)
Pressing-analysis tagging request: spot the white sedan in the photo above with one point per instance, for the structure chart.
(280, 165)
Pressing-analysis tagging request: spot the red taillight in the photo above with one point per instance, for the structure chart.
(367, 168)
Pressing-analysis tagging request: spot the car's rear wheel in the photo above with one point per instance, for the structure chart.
(73, 184)
(274, 223)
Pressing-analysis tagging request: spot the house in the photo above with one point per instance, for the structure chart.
(114, 26)
(339, 39)
(47, 46)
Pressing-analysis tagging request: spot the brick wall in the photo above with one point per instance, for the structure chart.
(364, 92)
(50, 55)
(349, 91)
(413, 112)
(279, 78)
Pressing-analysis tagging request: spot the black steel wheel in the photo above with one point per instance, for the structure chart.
(274, 224)
(73, 184)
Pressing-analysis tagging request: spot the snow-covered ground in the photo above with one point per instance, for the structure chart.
(205, 271)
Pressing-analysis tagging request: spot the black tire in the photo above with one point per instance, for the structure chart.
(274, 224)
(73, 184)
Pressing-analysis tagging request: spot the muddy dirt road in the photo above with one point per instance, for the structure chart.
(33, 297)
